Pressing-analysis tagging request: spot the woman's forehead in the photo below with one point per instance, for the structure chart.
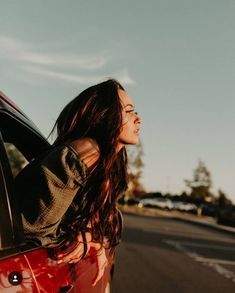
(125, 99)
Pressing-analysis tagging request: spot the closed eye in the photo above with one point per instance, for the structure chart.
(132, 111)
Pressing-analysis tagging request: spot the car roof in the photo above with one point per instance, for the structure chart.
(7, 105)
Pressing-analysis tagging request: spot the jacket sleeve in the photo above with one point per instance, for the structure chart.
(53, 183)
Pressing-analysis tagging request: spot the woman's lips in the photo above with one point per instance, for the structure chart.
(137, 131)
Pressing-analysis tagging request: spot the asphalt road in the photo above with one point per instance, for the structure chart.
(166, 255)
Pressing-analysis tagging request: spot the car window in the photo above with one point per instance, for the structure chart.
(22, 135)
(16, 159)
(20, 143)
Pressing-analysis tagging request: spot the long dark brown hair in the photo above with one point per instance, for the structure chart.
(96, 113)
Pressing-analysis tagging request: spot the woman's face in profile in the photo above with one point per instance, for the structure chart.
(130, 121)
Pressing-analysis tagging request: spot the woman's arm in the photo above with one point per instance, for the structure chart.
(93, 248)
(87, 149)
(54, 180)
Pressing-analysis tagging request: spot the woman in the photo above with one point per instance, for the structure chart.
(71, 201)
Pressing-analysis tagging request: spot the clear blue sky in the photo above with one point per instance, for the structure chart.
(175, 58)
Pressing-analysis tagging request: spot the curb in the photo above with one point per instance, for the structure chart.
(221, 228)
(154, 213)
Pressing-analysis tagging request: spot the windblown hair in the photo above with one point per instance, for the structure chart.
(96, 113)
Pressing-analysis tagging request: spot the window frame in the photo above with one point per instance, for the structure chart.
(11, 230)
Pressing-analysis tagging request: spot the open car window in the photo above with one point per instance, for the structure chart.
(25, 139)
(16, 159)
(19, 144)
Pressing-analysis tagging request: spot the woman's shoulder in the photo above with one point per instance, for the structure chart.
(87, 149)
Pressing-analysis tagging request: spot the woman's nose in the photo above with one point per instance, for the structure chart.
(138, 119)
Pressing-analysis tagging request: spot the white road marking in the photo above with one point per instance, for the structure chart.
(216, 260)
(203, 245)
(213, 263)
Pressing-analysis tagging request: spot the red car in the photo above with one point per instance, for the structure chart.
(24, 267)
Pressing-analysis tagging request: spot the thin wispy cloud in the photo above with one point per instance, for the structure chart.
(7, 43)
(123, 76)
(59, 65)
(19, 51)
(65, 60)
(72, 78)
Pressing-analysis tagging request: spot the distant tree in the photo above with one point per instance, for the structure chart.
(222, 199)
(184, 197)
(201, 183)
(16, 159)
(184, 194)
(157, 194)
(135, 158)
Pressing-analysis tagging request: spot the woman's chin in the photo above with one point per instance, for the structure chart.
(133, 142)
(126, 142)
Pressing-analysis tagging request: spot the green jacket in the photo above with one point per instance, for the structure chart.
(46, 189)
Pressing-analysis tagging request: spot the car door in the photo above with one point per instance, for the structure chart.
(15, 272)
(25, 267)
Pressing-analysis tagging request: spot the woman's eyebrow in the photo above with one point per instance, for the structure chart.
(129, 105)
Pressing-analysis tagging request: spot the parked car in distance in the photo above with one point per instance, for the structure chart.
(185, 207)
(208, 209)
(226, 215)
(25, 267)
(160, 203)
(131, 201)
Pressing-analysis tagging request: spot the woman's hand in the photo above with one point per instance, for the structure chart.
(101, 263)
(75, 255)
(95, 249)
